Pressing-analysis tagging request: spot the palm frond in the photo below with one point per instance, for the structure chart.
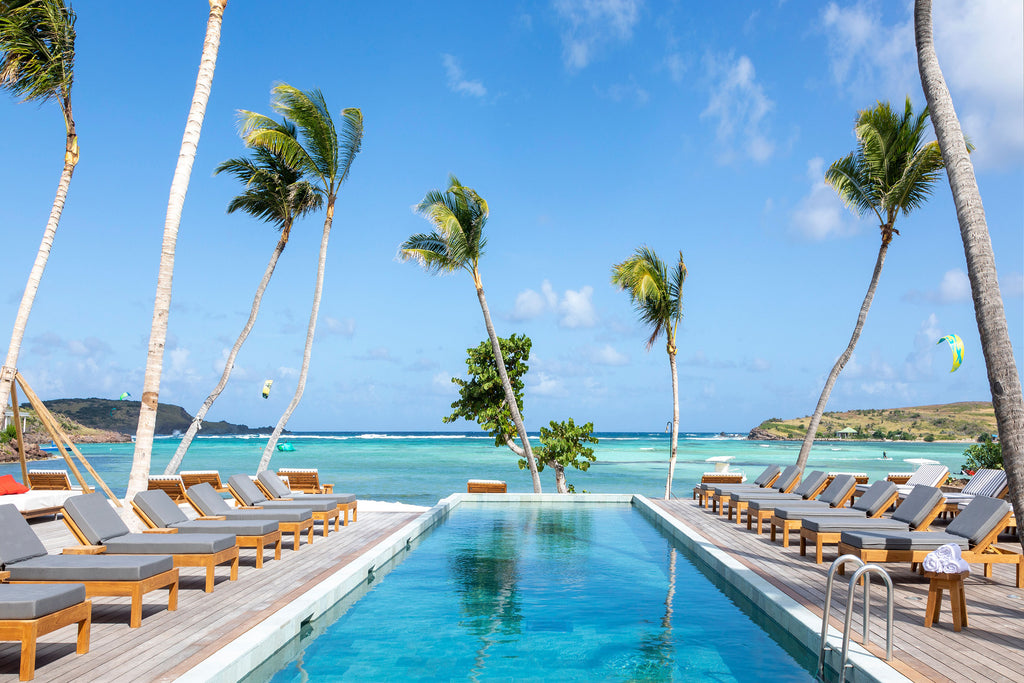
(657, 298)
(37, 42)
(458, 215)
(431, 251)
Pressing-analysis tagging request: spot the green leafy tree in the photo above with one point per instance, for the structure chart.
(1003, 376)
(37, 62)
(314, 147)
(276, 193)
(482, 396)
(459, 215)
(657, 297)
(892, 171)
(564, 445)
(987, 455)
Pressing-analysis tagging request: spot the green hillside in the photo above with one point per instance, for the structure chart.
(123, 417)
(964, 421)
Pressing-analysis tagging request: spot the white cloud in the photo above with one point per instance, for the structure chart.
(345, 327)
(442, 384)
(608, 355)
(592, 24)
(287, 372)
(545, 385)
(920, 360)
(577, 308)
(759, 365)
(739, 105)
(529, 305)
(820, 214)
(955, 287)
(677, 65)
(237, 372)
(979, 47)
(630, 92)
(457, 81)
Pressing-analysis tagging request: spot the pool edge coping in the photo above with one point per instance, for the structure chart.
(243, 655)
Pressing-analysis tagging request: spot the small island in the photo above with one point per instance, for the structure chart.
(966, 421)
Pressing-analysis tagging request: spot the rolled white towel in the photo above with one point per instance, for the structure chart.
(962, 566)
(947, 553)
(932, 563)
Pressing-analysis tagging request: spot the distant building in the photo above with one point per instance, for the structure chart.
(845, 433)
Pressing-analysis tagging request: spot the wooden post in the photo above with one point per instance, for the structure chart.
(21, 437)
(60, 438)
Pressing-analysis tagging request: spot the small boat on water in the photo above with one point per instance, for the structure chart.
(52, 448)
(285, 447)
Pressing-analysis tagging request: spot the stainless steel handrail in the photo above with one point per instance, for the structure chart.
(864, 571)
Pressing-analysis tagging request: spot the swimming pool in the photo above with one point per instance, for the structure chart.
(571, 591)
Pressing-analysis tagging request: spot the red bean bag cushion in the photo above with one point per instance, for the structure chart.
(9, 485)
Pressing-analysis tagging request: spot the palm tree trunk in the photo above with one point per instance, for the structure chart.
(35, 275)
(229, 364)
(510, 397)
(307, 354)
(1003, 378)
(675, 423)
(139, 475)
(819, 410)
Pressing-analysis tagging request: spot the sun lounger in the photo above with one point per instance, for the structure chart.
(207, 502)
(275, 489)
(835, 497)
(96, 525)
(50, 480)
(25, 557)
(212, 477)
(170, 484)
(28, 611)
(247, 493)
(991, 483)
(784, 485)
(305, 480)
(760, 507)
(916, 513)
(926, 475)
(765, 479)
(158, 511)
(783, 481)
(46, 492)
(975, 529)
(716, 478)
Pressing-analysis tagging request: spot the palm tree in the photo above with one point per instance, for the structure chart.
(276, 193)
(892, 171)
(37, 42)
(459, 215)
(324, 158)
(1003, 377)
(657, 296)
(138, 477)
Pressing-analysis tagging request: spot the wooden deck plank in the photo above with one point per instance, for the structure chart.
(991, 648)
(169, 643)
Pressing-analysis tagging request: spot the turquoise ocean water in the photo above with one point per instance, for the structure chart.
(421, 468)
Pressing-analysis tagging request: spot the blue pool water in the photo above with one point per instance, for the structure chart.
(569, 592)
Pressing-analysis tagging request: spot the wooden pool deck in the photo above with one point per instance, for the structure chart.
(991, 648)
(170, 643)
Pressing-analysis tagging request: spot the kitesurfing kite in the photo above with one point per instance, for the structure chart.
(956, 345)
(266, 388)
(124, 396)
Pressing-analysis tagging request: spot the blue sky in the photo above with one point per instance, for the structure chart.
(591, 127)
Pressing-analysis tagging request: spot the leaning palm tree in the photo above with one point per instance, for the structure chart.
(459, 215)
(1003, 378)
(323, 157)
(276, 193)
(657, 296)
(892, 171)
(37, 42)
(138, 477)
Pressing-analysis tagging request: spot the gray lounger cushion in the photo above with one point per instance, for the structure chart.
(875, 497)
(901, 540)
(251, 495)
(170, 544)
(761, 481)
(806, 508)
(978, 519)
(838, 490)
(90, 568)
(28, 601)
(159, 507)
(761, 494)
(787, 478)
(919, 502)
(95, 518)
(314, 505)
(766, 503)
(210, 502)
(17, 540)
(274, 484)
(837, 523)
(238, 527)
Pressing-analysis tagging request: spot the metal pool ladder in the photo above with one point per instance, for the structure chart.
(865, 570)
